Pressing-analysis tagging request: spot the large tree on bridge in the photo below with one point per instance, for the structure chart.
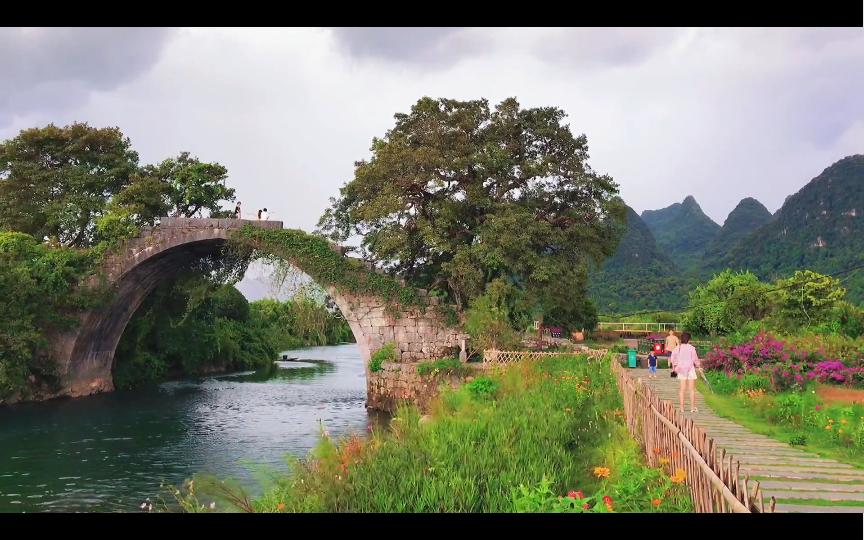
(457, 195)
(55, 181)
(59, 182)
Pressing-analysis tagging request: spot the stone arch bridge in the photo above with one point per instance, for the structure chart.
(86, 354)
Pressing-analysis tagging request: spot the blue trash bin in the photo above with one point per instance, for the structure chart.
(631, 358)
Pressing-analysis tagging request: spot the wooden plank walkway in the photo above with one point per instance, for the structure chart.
(785, 472)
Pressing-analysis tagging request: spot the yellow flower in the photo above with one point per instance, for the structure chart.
(664, 460)
(679, 477)
(842, 421)
(601, 472)
(830, 421)
(839, 431)
(827, 427)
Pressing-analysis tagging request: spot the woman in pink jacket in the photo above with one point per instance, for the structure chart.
(685, 362)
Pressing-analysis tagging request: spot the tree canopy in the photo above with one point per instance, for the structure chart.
(56, 182)
(457, 195)
(727, 302)
(75, 183)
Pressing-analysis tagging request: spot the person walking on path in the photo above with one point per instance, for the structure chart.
(671, 342)
(652, 365)
(685, 361)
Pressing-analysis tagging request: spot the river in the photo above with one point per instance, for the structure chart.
(110, 452)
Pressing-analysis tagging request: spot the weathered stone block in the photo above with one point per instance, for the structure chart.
(386, 333)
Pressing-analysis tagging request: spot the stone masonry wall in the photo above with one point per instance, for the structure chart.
(400, 382)
(419, 335)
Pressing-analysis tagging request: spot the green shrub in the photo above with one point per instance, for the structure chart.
(798, 440)
(482, 388)
(387, 353)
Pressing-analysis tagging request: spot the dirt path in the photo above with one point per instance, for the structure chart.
(801, 481)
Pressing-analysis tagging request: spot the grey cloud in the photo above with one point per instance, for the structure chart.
(813, 88)
(813, 39)
(50, 70)
(433, 47)
(604, 47)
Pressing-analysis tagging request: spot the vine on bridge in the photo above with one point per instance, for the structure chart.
(316, 257)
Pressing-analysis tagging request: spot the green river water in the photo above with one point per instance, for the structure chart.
(111, 452)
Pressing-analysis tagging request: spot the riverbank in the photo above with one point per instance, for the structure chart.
(511, 441)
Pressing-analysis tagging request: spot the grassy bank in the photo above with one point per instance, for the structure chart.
(545, 436)
(802, 419)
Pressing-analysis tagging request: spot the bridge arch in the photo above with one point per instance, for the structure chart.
(402, 315)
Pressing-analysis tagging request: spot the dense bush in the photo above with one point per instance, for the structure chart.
(738, 306)
(728, 301)
(38, 282)
(851, 320)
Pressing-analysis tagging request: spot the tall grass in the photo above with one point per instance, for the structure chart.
(553, 426)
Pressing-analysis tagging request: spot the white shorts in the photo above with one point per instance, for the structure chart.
(691, 375)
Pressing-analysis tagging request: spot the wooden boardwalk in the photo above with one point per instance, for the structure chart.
(795, 478)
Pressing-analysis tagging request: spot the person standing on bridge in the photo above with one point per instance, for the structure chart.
(259, 215)
(685, 361)
(264, 215)
(237, 213)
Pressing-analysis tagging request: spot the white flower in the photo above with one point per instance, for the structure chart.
(212, 506)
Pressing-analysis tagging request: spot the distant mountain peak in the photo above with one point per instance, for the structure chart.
(745, 218)
(817, 229)
(682, 231)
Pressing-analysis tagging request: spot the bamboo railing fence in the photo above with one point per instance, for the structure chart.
(510, 357)
(712, 475)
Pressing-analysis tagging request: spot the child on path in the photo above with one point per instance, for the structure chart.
(652, 365)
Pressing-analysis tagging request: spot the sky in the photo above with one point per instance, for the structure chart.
(720, 114)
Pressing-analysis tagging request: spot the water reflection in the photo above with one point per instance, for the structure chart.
(110, 452)
(301, 370)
